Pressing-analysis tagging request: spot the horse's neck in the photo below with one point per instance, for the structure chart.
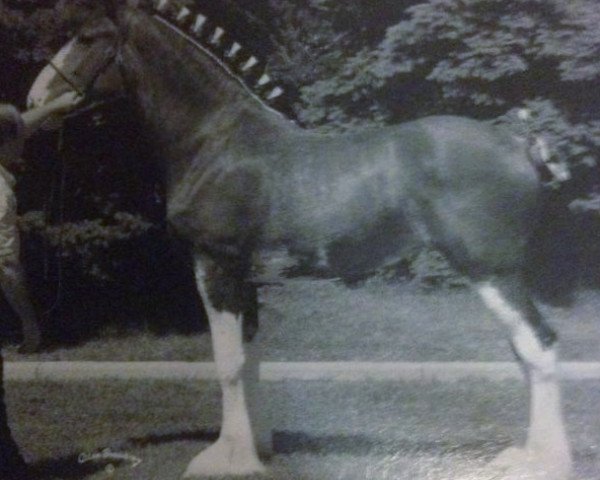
(184, 94)
(183, 106)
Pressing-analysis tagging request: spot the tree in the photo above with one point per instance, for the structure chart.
(91, 201)
(483, 59)
(344, 65)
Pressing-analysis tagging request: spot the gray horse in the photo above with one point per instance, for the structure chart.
(243, 179)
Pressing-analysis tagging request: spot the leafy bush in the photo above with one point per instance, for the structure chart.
(86, 242)
(482, 59)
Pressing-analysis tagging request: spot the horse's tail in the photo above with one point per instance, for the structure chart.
(551, 170)
(552, 260)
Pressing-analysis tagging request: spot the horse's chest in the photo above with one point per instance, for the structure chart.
(219, 204)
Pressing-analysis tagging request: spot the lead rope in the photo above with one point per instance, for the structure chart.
(60, 149)
(61, 196)
(50, 202)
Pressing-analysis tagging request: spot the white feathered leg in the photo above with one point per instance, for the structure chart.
(546, 454)
(235, 451)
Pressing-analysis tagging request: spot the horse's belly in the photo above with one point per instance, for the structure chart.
(349, 241)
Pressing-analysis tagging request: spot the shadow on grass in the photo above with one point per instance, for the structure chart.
(288, 442)
(361, 445)
(209, 436)
(64, 468)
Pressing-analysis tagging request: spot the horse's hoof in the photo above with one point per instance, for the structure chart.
(223, 458)
(528, 464)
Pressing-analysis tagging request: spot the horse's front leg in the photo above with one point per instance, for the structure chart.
(227, 298)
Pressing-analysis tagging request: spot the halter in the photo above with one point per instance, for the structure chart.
(113, 58)
(62, 75)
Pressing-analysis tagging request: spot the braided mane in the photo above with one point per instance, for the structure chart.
(220, 45)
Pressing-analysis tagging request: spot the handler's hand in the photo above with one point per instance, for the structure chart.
(66, 102)
(49, 116)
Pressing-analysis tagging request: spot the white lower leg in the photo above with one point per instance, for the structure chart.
(230, 360)
(546, 454)
(545, 409)
(547, 447)
(546, 434)
(235, 450)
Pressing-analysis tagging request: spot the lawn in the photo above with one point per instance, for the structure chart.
(323, 430)
(322, 320)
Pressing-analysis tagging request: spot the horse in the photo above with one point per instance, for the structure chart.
(243, 179)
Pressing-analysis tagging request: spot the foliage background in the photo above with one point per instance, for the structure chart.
(93, 212)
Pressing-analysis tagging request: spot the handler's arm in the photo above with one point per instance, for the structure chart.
(34, 117)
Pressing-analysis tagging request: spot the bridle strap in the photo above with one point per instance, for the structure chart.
(90, 84)
(65, 77)
(107, 63)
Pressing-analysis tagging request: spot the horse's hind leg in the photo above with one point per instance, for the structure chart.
(546, 453)
(225, 298)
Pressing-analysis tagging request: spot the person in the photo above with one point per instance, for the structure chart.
(15, 128)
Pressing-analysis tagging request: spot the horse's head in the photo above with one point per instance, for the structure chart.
(171, 60)
(87, 64)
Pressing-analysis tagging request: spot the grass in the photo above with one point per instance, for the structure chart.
(323, 430)
(321, 320)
